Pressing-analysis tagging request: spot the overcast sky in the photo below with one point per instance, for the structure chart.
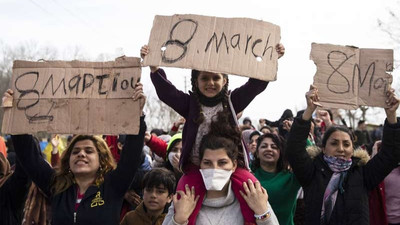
(121, 27)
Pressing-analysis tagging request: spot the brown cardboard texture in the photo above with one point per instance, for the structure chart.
(74, 97)
(239, 46)
(348, 77)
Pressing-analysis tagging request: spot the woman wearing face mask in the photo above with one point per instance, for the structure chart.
(209, 100)
(335, 184)
(271, 169)
(218, 160)
(173, 155)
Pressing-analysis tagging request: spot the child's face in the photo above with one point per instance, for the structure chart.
(156, 198)
(210, 84)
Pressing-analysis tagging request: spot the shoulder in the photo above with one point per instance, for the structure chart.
(361, 156)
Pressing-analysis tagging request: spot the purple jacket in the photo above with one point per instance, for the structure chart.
(187, 106)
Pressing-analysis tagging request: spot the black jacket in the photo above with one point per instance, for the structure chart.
(351, 206)
(13, 195)
(100, 205)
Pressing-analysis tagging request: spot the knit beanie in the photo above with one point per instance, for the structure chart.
(172, 141)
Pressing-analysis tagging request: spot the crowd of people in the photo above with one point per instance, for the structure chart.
(208, 168)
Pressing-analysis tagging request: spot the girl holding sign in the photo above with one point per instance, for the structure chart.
(209, 101)
(336, 183)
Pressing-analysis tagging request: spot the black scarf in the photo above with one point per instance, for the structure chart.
(210, 102)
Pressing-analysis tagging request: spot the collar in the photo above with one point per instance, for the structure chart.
(222, 201)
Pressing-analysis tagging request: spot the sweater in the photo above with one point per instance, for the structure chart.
(187, 106)
(282, 189)
(220, 211)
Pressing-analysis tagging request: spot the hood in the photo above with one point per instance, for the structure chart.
(359, 153)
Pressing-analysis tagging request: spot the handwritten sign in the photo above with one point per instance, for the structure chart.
(74, 97)
(349, 77)
(239, 46)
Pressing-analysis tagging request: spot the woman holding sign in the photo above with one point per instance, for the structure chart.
(336, 183)
(87, 188)
(209, 100)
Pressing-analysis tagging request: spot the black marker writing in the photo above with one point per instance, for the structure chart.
(179, 43)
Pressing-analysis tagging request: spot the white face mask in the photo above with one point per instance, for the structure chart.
(215, 179)
(170, 159)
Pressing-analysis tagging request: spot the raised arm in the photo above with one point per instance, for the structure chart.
(298, 157)
(28, 154)
(389, 156)
(129, 162)
(166, 91)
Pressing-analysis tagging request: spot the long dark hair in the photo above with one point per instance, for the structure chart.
(197, 94)
(213, 142)
(64, 178)
(334, 128)
(282, 164)
(223, 125)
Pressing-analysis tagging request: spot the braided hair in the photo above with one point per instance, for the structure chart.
(222, 126)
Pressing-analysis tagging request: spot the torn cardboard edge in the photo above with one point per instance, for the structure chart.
(73, 114)
(214, 44)
(348, 77)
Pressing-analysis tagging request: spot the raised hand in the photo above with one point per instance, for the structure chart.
(311, 98)
(138, 95)
(280, 49)
(7, 99)
(393, 104)
(144, 51)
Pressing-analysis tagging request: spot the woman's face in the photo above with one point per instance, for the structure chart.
(210, 84)
(217, 159)
(175, 155)
(339, 145)
(84, 158)
(253, 143)
(268, 151)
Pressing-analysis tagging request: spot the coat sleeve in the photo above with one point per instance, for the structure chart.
(158, 146)
(169, 94)
(387, 158)
(298, 158)
(129, 162)
(16, 187)
(35, 166)
(242, 96)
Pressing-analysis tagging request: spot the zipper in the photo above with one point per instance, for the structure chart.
(74, 217)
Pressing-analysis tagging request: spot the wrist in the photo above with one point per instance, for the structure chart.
(179, 221)
(263, 216)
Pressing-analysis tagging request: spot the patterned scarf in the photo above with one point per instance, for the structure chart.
(339, 167)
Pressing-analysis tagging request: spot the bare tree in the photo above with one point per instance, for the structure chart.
(27, 51)
(158, 114)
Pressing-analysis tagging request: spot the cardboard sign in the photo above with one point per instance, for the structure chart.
(74, 97)
(348, 77)
(239, 46)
